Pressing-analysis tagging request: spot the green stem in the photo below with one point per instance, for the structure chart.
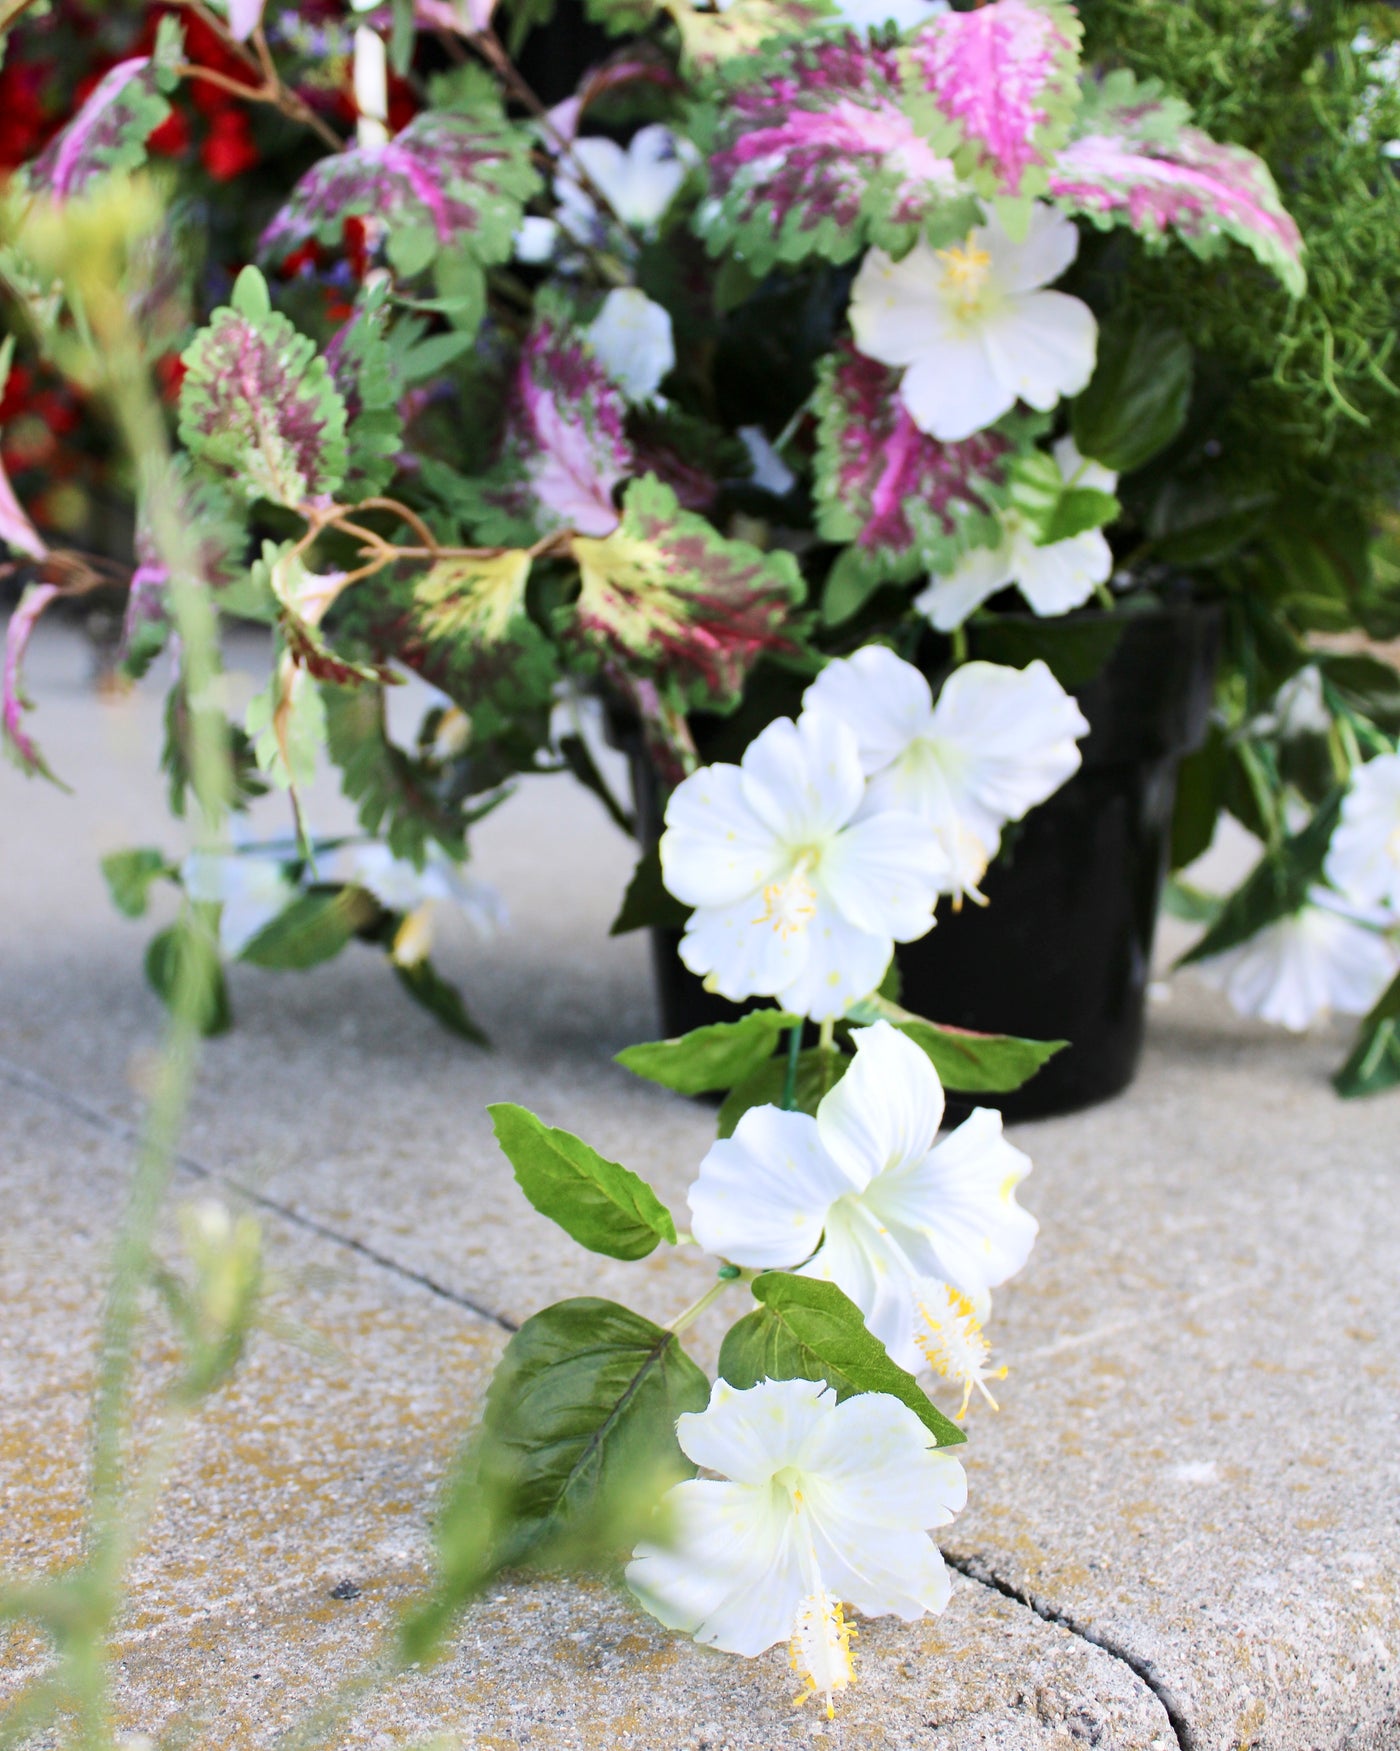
(696, 1308)
(959, 636)
(789, 1100)
(827, 1040)
(1105, 597)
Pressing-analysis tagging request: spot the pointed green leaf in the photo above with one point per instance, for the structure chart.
(818, 1073)
(442, 1001)
(967, 1062)
(648, 903)
(164, 955)
(1374, 1062)
(718, 1056)
(604, 1206)
(1137, 399)
(314, 928)
(804, 1329)
(129, 875)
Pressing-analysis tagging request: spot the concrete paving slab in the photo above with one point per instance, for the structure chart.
(1197, 1458)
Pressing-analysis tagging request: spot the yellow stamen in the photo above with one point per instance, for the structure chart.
(954, 1344)
(965, 269)
(789, 905)
(821, 1650)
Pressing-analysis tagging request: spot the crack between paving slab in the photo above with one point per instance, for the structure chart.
(978, 1569)
(119, 1128)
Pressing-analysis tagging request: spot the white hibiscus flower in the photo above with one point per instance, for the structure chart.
(794, 896)
(864, 1196)
(632, 338)
(1053, 578)
(399, 887)
(250, 891)
(997, 742)
(1363, 860)
(973, 327)
(813, 1502)
(1328, 957)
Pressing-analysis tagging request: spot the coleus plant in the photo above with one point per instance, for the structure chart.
(754, 345)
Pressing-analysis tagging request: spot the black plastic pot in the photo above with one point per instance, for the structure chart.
(1063, 948)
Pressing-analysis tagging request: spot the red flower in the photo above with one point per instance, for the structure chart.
(229, 149)
(171, 138)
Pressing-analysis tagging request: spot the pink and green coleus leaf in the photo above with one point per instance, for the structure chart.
(452, 182)
(665, 598)
(219, 539)
(997, 89)
(1136, 162)
(565, 448)
(109, 132)
(258, 405)
(812, 154)
(906, 503)
(14, 702)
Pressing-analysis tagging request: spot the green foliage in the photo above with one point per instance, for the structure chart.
(968, 1062)
(805, 1329)
(396, 797)
(314, 928)
(367, 375)
(1374, 1062)
(442, 1000)
(1138, 397)
(648, 903)
(604, 1206)
(818, 1072)
(129, 875)
(718, 1056)
(187, 951)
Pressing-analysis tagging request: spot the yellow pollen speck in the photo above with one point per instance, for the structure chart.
(790, 905)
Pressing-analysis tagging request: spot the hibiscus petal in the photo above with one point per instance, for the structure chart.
(886, 1110)
(803, 779)
(884, 700)
(883, 874)
(843, 964)
(737, 947)
(730, 1575)
(749, 1435)
(955, 1213)
(762, 1195)
(866, 1263)
(893, 304)
(958, 384)
(882, 1573)
(879, 1468)
(949, 600)
(715, 850)
(1040, 345)
(1059, 577)
(1025, 264)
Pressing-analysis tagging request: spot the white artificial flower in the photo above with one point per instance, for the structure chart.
(249, 890)
(1327, 957)
(795, 897)
(952, 1340)
(904, 15)
(638, 181)
(864, 1196)
(973, 327)
(399, 887)
(1053, 579)
(997, 742)
(1363, 860)
(813, 1503)
(535, 240)
(632, 338)
(1298, 708)
(766, 466)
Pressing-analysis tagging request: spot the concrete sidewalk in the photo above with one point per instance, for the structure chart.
(1182, 1528)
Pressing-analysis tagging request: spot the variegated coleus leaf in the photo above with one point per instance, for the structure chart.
(303, 598)
(727, 33)
(110, 131)
(1136, 161)
(14, 702)
(812, 154)
(667, 599)
(205, 514)
(565, 447)
(258, 405)
(906, 503)
(363, 370)
(454, 181)
(461, 625)
(997, 89)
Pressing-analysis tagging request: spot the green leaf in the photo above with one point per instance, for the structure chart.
(1277, 886)
(313, 929)
(718, 1056)
(441, 1000)
(286, 724)
(1138, 397)
(648, 903)
(259, 405)
(461, 285)
(396, 797)
(164, 955)
(1374, 1063)
(129, 875)
(1200, 796)
(967, 1062)
(1199, 520)
(818, 1072)
(1077, 509)
(1365, 684)
(804, 1329)
(604, 1206)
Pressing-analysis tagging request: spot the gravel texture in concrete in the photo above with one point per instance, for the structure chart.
(1181, 1528)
